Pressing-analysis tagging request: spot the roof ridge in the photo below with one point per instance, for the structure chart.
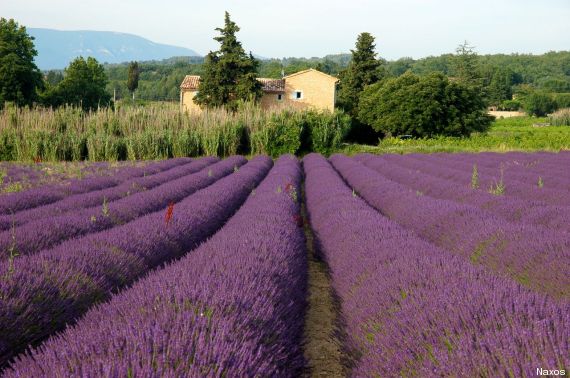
(311, 70)
(191, 82)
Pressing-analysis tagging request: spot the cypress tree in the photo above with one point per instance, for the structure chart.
(133, 78)
(466, 66)
(229, 73)
(363, 70)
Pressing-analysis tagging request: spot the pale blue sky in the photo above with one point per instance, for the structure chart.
(415, 28)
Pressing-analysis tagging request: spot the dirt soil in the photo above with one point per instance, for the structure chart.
(323, 347)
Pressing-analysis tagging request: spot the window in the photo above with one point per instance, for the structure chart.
(297, 95)
(279, 97)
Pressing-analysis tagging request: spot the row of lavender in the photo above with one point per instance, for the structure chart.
(521, 170)
(127, 187)
(536, 257)
(26, 176)
(524, 165)
(14, 202)
(413, 174)
(44, 292)
(517, 181)
(412, 309)
(232, 307)
(46, 232)
(13, 173)
(549, 319)
(520, 165)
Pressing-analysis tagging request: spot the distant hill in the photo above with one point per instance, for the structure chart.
(57, 48)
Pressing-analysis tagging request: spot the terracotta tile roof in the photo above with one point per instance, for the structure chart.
(272, 85)
(191, 82)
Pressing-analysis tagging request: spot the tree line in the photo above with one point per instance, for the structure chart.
(431, 96)
(410, 104)
(503, 75)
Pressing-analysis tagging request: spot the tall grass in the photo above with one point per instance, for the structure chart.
(152, 132)
(560, 117)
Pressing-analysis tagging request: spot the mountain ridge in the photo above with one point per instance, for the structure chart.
(57, 48)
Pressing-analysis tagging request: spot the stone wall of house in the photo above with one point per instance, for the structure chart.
(270, 100)
(187, 101)
(318, 90)
(506, 114)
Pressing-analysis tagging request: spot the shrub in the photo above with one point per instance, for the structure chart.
(362, 133)
(562, 100)
(539, 104)
(423, 106)
(510, 105)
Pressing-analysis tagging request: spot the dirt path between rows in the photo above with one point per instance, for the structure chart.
(323, 349)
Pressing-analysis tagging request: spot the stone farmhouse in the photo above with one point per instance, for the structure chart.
(304, 89)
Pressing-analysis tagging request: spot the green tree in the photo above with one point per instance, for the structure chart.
(363, 70)
(83, 85)
(510, 105)
(423, 106)
(465, 65)
(133, 78)
(54, 77)
(500, 87)
(229, 73)
(19, 76)
(400, 66)
(555, 84)
(539, 104)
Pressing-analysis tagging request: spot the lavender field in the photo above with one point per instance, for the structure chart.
(441, 265)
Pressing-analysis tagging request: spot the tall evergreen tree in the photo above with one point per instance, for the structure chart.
(133, 78)
(501, 86)
(466, 65)
(363, 70)
(229, 73)
(19, 76)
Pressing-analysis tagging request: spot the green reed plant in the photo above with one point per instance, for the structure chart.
(498, 188)
(325, 130)
(560, 117)
(160, 132)
(475, 177)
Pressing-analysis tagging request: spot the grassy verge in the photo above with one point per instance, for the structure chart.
(509, 134)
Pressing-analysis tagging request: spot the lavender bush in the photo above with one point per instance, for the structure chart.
(14, 202)
(44, 233)
(535, 257)
(97, 197)
(233, 307)
(510, 208)
(53, 288)
(518, 184)
(412, 309)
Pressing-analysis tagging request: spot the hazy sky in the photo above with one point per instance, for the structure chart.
(415, 28)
